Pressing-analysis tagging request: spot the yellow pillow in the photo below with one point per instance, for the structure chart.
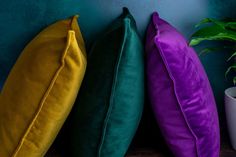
(41, 89)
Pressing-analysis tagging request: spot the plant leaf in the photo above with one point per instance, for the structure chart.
(216, 49)
(231, 25)
(233, 55)
(212, 33)
(208, 50)
(234, 80)
(204, 33)
(203, 21)
(229, 69)
(197, 41)
(220, 23)
(208, 31)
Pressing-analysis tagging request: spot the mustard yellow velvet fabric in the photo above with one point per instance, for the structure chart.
(41, 89)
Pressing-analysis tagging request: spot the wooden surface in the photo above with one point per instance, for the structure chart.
(145, 153)
(158, 150)
(225, 152)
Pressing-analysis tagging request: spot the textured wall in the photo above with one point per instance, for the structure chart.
(23, 19)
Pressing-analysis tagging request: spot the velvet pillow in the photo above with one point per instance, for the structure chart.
(41, 89)
(110, 103)
(180, 93)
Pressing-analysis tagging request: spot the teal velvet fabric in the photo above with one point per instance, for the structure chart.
(110, 102)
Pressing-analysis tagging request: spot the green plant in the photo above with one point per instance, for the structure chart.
(217, 30)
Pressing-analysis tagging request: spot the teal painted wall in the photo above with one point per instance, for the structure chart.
(183, 14)
(24, 19)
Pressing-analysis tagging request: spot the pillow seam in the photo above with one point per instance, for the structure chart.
(157, 45)
(112, 94)
(46, 94)
(74, 25)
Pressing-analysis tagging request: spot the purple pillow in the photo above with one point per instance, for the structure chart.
(180, 93)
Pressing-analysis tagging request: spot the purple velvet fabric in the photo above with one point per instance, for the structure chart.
(180, 93)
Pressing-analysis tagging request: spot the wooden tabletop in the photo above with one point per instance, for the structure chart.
(152, 153)
(225, 152)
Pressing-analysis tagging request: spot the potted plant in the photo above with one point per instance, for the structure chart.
(222, 30)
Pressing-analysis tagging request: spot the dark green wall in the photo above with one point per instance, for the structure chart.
(215, 63)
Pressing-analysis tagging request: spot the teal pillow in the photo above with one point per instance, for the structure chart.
(110, 103)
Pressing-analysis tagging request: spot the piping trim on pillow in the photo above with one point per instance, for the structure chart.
(71, 33)
(113, 89)
(158, 46)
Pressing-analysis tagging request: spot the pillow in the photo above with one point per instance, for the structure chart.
(180, 93)
(110, 103)
(41, 89)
